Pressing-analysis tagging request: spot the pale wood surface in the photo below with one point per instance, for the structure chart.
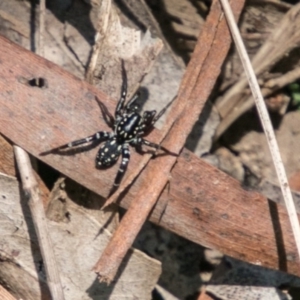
(5, 295)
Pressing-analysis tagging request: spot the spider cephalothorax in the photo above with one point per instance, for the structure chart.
(128, 126)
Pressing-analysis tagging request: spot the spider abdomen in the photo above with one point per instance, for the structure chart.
(108, 153)
(128, 127)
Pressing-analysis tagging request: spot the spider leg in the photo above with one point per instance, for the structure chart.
(120, 105)
(149, 119)
(101, 135)
(141, 141)
(162, 112)
(138, 142)
(123, 166)
(107, 116)
(131, 101)
(150, 144)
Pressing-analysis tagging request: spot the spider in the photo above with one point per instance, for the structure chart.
(128, 126)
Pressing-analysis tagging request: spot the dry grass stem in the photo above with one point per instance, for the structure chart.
(266, 123)
(31, 191)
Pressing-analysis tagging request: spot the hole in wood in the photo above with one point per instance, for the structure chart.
(38, 82)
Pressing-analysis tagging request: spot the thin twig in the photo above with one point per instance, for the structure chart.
(266, 122)
(283, 80)
(196, 86)
(42, 26)
(31, 192)
(268, 88)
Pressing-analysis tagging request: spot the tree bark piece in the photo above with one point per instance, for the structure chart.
(201, 203)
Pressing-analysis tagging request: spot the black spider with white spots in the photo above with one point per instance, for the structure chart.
(128, 126)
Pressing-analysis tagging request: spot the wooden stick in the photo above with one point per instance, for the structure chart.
(201, 203)
(31, 192)
(206, 62)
